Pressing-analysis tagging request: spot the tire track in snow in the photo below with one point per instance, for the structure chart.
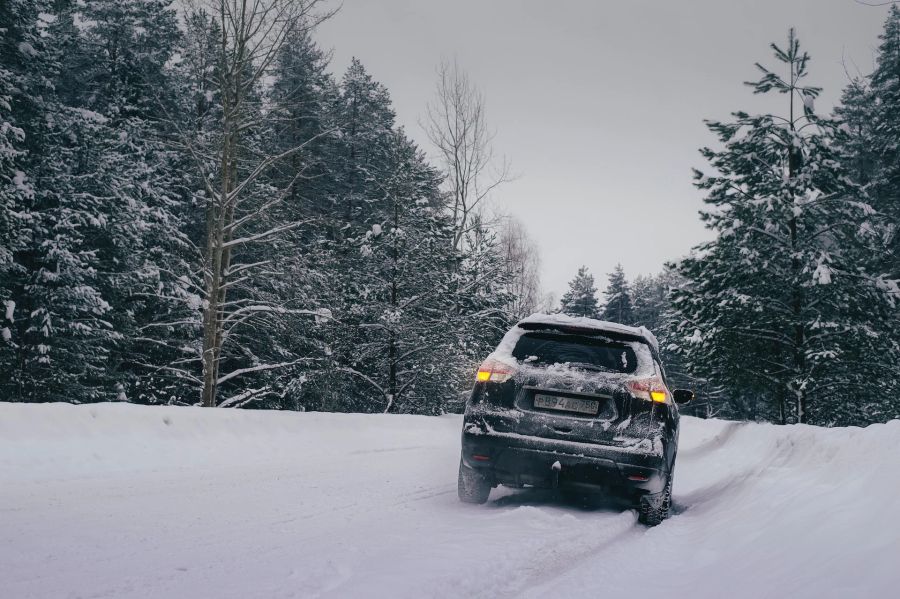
(566, 555)
(371, 506)
(540, 582)
(775, 456)
(562, 556)
(385, 450)
(553, 536)
(715, 442)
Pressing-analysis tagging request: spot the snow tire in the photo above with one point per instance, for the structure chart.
(655, 508)
(472, 486)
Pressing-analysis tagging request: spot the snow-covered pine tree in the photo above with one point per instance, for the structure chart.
(62, 335)
(101, 196)
(651, 308)
(854, 138)
(119, 69)
(303, 95)
(357, 160)
(617, 298)
(481, 300)
(649, 302)
(366, 120)
(19, 43)
(883, 143)
(404, 272)
(778, 306)
(21, 109)
(581, 297)
(372, 155)
(867, 144)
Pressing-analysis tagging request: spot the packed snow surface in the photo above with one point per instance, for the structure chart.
(126, 501)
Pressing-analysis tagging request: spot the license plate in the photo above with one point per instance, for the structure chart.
(566, 404)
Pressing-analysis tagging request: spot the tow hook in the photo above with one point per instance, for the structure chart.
(556, 467)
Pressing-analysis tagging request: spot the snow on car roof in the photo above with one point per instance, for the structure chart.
(590, 323)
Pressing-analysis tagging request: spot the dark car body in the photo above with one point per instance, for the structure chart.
(573, 403)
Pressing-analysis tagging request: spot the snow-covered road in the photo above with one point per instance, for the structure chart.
(129, 501)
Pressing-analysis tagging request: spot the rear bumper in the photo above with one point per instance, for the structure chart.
(516, 460)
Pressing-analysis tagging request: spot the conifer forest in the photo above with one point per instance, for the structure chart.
(196, 210)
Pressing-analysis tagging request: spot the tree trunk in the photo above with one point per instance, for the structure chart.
(217, 221)
(392, 340)
(795, 163)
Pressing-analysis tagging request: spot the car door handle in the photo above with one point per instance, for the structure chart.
(562, 429)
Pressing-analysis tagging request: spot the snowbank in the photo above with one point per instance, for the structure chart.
(128, 501)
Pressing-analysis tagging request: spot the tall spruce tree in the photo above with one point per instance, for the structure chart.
(581, 298)
(62, 336)
(854, 143)
(652, 308)
(145, 255)
(364, 117)
(867, 144)
(20, 43)
(649, 301)
(617, 298)
(884, 115)
(23, 58)
(404, 275)
(779, 306)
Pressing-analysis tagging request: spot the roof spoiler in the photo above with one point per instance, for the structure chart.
(577, 330)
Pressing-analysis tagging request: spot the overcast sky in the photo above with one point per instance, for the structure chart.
(599, 105)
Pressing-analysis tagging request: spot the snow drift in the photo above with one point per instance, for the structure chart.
(129, 501)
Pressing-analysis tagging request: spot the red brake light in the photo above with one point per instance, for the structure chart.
(650, 389)
(494, 371)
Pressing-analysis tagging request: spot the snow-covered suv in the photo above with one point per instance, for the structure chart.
(575, 403)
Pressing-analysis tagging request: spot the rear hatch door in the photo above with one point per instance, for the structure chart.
(571, 387)
(570, 404)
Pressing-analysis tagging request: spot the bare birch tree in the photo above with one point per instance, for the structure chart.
(523, 264)
(250, 34)
(456, 125)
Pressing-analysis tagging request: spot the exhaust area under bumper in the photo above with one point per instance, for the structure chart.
(517, 460)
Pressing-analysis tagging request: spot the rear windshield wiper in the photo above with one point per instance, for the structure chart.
(586, 366)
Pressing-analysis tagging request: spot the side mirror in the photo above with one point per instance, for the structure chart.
(683, 396)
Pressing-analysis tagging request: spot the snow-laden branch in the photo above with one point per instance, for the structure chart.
(230, 228)
(263, 166)
(235, 282)
(265, 234)
(167, 324)
(178, 371)
(236, 268)
(251, 369)
(245, 397)
(364, 377)
(263, 308)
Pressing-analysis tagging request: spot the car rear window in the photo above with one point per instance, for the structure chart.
(594, 353)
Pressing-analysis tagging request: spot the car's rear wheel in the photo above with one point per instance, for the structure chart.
(472, 486)
(655, 508)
